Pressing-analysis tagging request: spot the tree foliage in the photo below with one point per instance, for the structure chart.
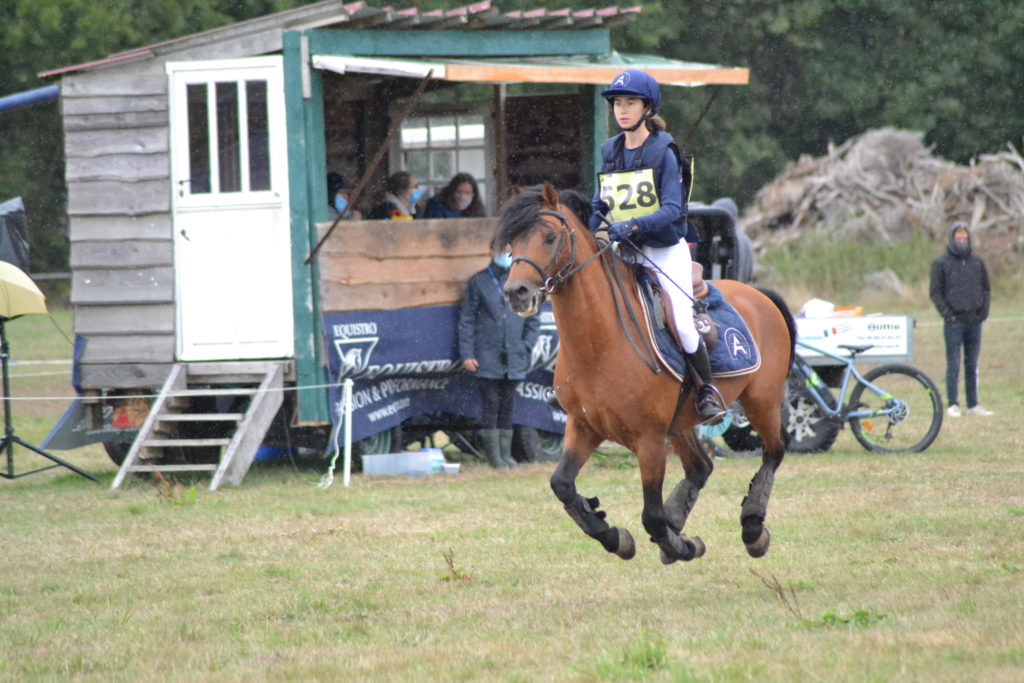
(821, 71)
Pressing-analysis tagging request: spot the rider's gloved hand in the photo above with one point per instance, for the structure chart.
(620, 231)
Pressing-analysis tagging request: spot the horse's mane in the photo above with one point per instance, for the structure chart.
(522, 212)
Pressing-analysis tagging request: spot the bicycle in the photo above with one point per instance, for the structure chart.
(893, 398)
(892, 408)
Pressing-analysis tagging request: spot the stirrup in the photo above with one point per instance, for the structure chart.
(709, 412)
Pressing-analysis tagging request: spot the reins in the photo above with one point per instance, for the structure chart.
(570, 268)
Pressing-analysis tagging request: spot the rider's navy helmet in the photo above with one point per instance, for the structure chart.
(635, 83)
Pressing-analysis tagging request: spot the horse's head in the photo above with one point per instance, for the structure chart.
(543, 241)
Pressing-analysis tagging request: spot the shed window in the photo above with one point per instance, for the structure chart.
(436, 147)
(228, 137)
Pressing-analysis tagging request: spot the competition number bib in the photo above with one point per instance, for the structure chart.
(629, 194)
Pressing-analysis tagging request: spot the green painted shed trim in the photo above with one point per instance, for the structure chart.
(460, 43)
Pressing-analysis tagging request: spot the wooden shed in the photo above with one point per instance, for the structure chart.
(196, 174)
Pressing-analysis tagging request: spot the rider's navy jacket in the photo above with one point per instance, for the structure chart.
(666, 226)
(497, 338)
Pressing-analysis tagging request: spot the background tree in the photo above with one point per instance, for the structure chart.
(821, 71)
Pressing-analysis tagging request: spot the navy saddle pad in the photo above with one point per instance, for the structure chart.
(735, 354)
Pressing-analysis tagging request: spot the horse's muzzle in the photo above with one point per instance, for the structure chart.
(523, 299)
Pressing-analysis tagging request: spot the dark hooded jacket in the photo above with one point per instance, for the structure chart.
(490, 332)
(959, 282)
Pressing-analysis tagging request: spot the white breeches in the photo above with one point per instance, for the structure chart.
(674, 262)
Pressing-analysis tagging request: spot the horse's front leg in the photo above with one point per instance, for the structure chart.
(579, 443)
(651, 456)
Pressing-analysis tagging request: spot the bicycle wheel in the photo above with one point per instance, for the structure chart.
(810, 430)
(918, 416)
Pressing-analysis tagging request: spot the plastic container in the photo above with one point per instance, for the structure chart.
(452, 467)
(408, 464)
(437, 462)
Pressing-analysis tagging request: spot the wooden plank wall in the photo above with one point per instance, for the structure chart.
(386, 265)
(119, 208)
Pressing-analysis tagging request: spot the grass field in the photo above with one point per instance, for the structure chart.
(882, 567)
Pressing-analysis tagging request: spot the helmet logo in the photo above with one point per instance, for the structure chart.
(621, 81)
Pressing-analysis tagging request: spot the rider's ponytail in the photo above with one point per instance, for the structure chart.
(655, 123)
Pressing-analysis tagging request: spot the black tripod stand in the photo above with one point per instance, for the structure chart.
(9, 439)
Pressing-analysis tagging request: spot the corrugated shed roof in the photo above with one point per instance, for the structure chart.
(479, 16)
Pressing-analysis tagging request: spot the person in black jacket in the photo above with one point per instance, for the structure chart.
(495, 345)
(959, 289)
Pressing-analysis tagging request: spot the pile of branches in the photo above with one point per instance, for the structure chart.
(884, 185)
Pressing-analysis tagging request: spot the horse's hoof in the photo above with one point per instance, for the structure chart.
(627, 547)
(698, 547)
(759, 547)
(681, 548)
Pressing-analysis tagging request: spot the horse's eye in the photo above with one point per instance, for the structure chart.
(549, 238)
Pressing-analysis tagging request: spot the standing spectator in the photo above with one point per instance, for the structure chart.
(960, 291)
(495, 345)
(460, 198)
(338, 189)
(400, 197)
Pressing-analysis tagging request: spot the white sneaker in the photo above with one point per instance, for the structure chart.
(978, 410)
(954, 411)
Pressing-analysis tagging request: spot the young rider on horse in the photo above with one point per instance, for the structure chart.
(641, 191)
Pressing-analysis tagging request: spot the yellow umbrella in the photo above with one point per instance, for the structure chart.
(18, 294)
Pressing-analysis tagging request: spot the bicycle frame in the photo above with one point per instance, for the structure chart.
(841, 411)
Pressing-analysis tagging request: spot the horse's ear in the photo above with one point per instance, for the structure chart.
(550, 196)
(517, 189)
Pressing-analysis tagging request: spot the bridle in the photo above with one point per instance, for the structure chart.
(569, 268)
(623, 307)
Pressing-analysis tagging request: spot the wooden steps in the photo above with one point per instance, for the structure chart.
(174, 430)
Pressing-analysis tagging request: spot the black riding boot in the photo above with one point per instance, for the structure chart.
(710, 405)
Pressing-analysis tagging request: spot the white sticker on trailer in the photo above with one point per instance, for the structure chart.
(890, 334)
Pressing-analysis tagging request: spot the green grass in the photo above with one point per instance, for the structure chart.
(882, 568)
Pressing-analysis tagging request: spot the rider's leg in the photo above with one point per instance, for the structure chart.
(674, 271)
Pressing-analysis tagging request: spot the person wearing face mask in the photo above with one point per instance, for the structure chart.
(402, 193)
(460, 198)
(338, 189)
(495, 344)
(959, 288)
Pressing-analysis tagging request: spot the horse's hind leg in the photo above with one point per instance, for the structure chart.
(579, 444)
(754, 509)
(698, 467)
(674, 546)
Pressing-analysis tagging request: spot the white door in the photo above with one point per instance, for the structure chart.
(230, 200)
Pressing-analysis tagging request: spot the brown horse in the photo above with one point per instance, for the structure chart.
(610, 392)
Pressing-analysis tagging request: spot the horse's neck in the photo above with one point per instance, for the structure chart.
(585, 312)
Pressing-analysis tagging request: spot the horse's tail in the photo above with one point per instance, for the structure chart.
(780, 303)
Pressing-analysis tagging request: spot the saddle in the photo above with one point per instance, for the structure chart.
(663, 307)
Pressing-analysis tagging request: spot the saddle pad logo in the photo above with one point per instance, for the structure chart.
(736, 344)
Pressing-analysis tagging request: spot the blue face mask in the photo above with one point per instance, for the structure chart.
(417, 195)
(340, 203)
(503, 261)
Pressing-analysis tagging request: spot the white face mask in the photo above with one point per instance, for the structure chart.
(462, 201)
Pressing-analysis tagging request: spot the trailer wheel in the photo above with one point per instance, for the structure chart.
(550, 446)
(116, 451)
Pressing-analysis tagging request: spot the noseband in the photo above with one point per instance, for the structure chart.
(569, 268)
